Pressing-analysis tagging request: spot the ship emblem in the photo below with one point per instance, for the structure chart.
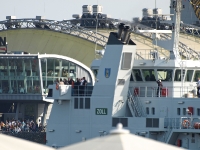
(107, 72)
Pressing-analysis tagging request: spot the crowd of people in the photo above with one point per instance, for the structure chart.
(16, 126)
(78, 86)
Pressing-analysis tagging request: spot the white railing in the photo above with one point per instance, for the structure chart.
(174, 91)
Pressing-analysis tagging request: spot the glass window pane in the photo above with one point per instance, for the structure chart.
(165, 74)
(188, 77)
(178, 111)
(147, 110)
(196, 75)
(81, 103)
(76, 103)
(87, 103)
(149, 74)
(65, 69)
(178, 75)
(137, 74)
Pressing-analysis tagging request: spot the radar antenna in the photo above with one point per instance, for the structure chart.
(177, 5)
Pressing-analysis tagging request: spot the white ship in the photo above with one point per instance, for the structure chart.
(126, 91)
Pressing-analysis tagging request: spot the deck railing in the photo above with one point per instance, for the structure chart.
(182, 123)
(175, 91)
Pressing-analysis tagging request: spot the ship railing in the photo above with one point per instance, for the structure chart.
(136, 105)
(184, 122)
(166, 91)
(149, 54)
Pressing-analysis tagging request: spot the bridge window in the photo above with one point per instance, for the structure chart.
(137, 74)
(196, 75)
(178, 75)
(165, 74)
(149, 74)
(189, 74)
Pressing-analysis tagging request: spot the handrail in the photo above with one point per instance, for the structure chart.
(166, 91)
(137, 105)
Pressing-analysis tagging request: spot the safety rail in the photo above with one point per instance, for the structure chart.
(136, 105)
(166, 91)
(147, 54)
(182, 123)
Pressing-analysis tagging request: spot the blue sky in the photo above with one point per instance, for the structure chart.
(63, 9)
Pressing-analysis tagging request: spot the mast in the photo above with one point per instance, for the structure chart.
(177, 5)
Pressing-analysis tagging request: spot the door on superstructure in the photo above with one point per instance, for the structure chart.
(163, 111)
(185, 143)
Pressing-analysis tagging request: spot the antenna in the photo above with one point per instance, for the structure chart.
(96, 33)
(177, 5)
(156, 32)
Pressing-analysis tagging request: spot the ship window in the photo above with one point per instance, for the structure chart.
(137, 74)
(153, 111)
(198, 111)
(189, 74)
(184, 111)
(178, 111)
(131, 78)
(95, 71)
(126, 61)
(87, 103)
(196, 75)
(81, 103)
(147, 110)
(165, 74)
(76, 103)
(149, 74)
(152, 122)
(178, 75)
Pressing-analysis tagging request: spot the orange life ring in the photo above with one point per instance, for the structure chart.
(57, 87)
(186, 123)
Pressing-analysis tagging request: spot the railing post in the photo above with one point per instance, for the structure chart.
(145, 91)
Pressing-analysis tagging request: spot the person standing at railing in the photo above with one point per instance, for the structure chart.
(198, 87)
(159, 89)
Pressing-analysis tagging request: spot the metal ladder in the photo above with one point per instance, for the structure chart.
(135, 105)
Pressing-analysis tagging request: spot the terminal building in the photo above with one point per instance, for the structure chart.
(24, 80)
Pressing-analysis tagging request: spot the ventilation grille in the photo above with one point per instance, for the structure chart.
(126, 61)
(121, 82)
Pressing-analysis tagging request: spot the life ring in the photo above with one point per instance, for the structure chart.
(57, 87)
(186, 123)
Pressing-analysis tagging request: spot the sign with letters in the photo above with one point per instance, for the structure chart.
(101, 111)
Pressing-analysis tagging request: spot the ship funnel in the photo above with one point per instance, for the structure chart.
(120, 30)
(126, 35)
